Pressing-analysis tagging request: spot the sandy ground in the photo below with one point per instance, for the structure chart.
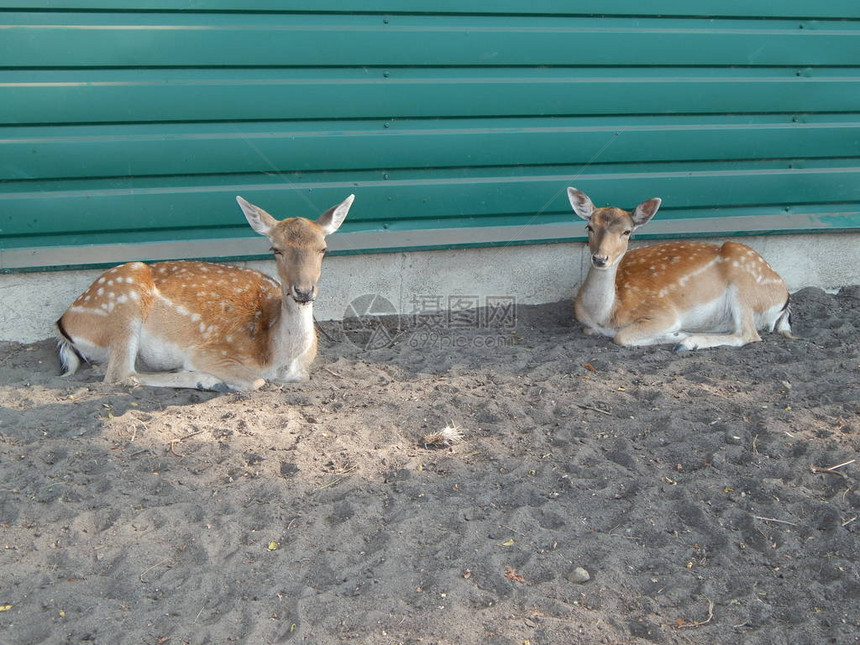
(684, 485)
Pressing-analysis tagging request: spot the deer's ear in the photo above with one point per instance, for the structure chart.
(582, 205)
(259, 219)
(331, 220)
(646, 210)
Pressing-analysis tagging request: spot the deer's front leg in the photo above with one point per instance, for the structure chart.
(295, 372)
(297, 369)
(197, 381)
(650, 331)
(206, 372)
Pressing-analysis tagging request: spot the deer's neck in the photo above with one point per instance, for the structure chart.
(292, 334)
(596, 298)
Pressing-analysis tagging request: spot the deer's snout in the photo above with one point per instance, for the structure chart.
(600, 261)
(303, 295)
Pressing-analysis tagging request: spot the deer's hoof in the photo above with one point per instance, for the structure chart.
(221, 388)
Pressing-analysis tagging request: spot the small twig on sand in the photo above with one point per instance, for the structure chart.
(847, 522)
(831, 470)
(699, 623)
(338, 480)
(771, 519)
(754, 447)
(154, 566)
(131, 428)
(513, 530)
(588, 407)
(543, 617)
(714, 391)
(332, 372)
(174, 442)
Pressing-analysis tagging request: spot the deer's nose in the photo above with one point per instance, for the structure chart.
(599, 260)
(303, 295)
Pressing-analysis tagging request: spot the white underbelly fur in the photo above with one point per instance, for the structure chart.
(159, 354)
(715, 316)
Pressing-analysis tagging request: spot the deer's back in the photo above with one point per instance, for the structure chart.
(688, 274)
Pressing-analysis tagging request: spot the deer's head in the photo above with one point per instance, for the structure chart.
(609, 229)
(298, 244)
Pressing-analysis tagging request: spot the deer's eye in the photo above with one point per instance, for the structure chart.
(626, 233)
(322, 251)
(589, 228)
(276, 251)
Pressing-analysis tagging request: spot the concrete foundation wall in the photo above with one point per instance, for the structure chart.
(536, 274)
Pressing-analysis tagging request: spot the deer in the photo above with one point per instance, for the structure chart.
(696, 295)
(204, 325)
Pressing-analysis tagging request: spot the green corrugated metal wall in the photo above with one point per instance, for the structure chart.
(454, 123)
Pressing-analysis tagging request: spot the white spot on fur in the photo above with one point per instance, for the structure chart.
(87, 310)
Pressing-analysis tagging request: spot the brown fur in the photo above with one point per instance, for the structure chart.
(225, 326)
(693, 293)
